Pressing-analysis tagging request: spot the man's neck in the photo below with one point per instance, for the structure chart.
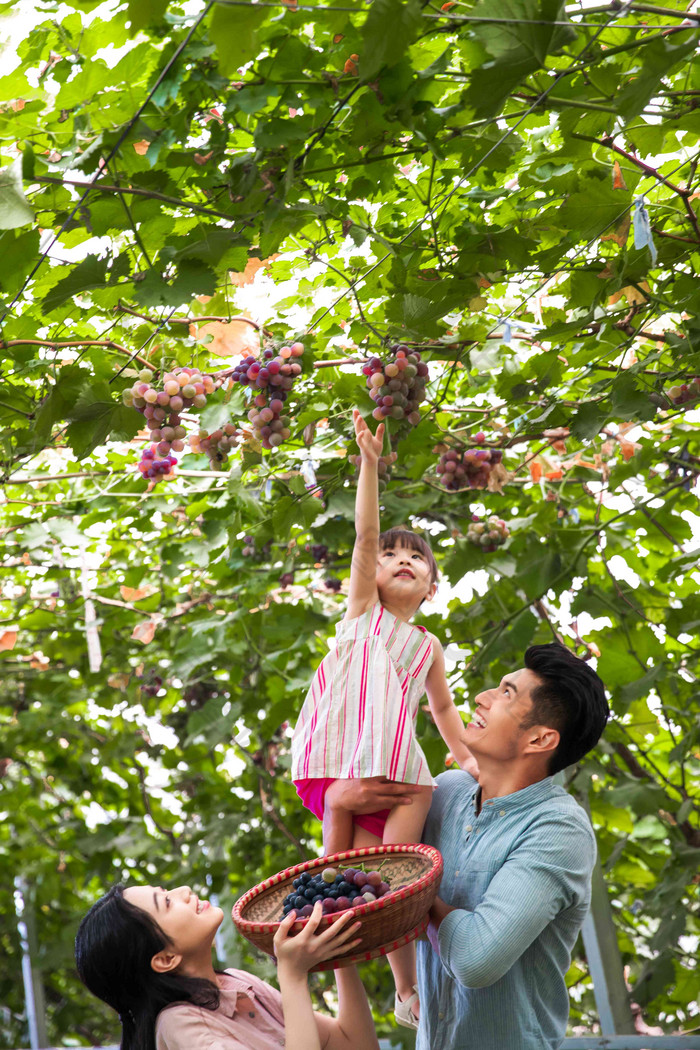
(496, 782)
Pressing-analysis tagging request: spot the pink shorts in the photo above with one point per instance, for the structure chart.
(313, 792)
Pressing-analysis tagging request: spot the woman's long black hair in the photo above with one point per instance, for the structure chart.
(113, 950)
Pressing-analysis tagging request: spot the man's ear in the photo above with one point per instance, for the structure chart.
(165, 961)
(541, 740)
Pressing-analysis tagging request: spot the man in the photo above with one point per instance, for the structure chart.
(518, 853)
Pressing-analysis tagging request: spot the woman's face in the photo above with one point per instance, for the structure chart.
(190, 924)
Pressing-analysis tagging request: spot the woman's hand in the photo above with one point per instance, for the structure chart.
(299, 954)
(369, 444)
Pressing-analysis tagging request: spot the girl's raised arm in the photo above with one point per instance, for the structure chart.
(443, 709)
(363, 571)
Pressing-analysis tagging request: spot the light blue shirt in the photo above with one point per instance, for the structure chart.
(519, 877)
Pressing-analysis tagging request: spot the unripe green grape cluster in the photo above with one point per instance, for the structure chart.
(397, 386)
(489, 534)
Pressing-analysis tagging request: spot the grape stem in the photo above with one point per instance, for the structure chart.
(121, 308)
(57, 343)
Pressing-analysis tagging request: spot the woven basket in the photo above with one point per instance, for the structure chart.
(387, 923)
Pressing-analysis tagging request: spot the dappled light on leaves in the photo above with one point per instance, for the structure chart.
(514, 200)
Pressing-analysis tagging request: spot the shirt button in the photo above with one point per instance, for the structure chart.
(501, 813)
(457, 873)
(441, 1016)
(469, 827)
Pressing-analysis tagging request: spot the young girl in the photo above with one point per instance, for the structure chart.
(358, 719)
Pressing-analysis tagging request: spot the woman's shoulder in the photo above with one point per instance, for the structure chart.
(182, 1026)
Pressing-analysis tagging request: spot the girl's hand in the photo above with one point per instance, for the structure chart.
(370, 445)
(299, 954)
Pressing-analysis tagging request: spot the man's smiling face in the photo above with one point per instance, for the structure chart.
(495, 731)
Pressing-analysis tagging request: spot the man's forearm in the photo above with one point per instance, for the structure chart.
(438, 912)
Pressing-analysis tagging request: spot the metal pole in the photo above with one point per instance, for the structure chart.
(33, 988)
(603, 957)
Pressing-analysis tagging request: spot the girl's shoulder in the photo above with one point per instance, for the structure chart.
(352, 623)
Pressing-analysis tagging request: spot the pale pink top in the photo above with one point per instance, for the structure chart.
(358, 718)
(249, 1017)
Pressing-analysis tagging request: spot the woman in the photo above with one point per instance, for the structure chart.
(147, 953)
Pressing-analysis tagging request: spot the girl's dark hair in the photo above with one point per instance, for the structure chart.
(113, 950)
(570, 698)
(409, 541)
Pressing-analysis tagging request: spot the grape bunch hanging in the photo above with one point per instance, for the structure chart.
(161, 405)
(685, 392)
(383, 468)
(271, 378)
(217, 445)
(489, 534)
(397, 386)
(469, 469)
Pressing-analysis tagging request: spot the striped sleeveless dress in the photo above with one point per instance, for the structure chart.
(358, 718)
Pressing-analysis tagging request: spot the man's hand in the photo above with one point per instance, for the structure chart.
(437, 913)
(369, 794)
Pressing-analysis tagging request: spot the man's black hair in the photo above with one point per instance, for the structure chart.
(569, 698)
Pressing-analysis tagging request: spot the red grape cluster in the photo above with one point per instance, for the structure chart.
(251, 551)
(216, 445)
(685, 392)
(469, 469)
(272, 376)
(337, 890)
(397, 386)
(152, 686)
(318, 551)
(333, 584)
(488, 534)
(154, 466)
(161, 406)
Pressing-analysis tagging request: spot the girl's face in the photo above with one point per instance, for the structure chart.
(403, 575)
(190, 924)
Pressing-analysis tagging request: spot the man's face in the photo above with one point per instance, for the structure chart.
(494, 732)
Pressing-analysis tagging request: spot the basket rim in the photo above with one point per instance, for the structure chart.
(381, 951)
(434, 873)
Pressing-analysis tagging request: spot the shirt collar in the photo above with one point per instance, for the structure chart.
(525, 798)
(229, 990)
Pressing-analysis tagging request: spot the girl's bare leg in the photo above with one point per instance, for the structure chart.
(337, 831)
(405, 824)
